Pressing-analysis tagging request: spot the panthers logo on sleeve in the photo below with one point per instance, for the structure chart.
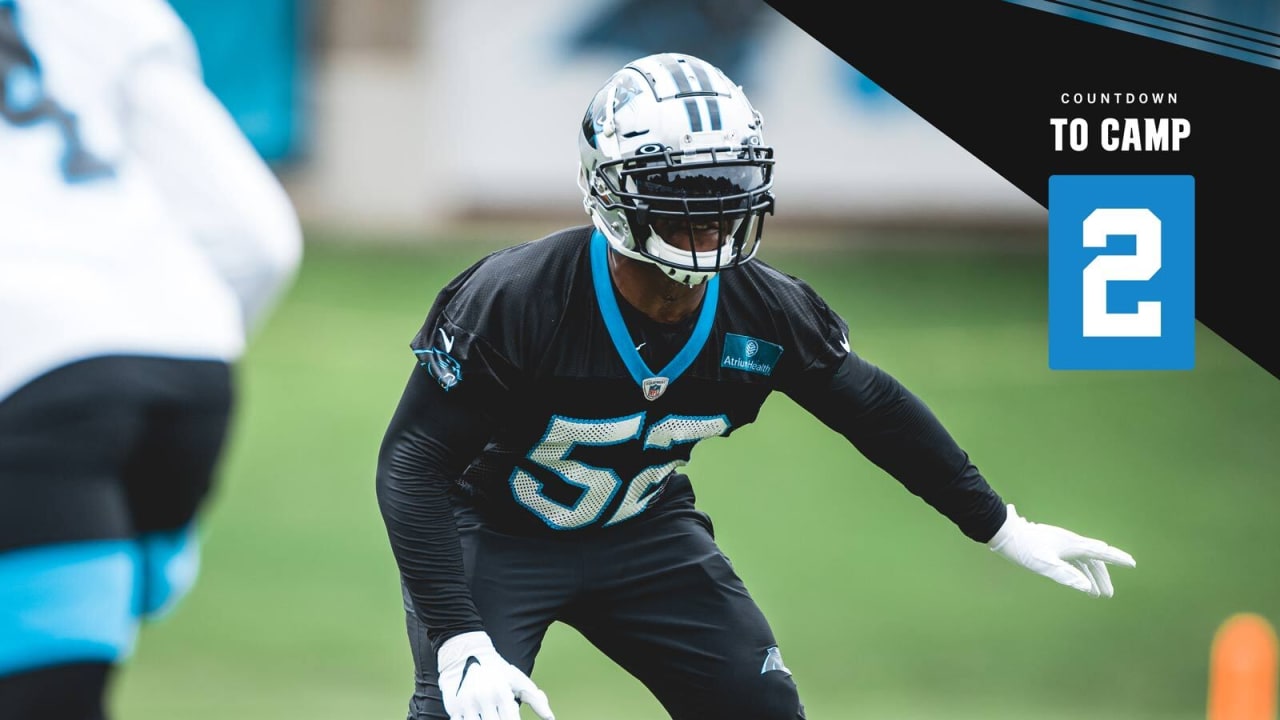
(443, 367)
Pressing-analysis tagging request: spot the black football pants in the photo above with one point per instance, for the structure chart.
(658, 597)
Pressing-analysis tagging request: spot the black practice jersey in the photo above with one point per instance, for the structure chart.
(588, 427)
(546, 404)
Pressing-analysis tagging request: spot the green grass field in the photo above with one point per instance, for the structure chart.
(883, 609)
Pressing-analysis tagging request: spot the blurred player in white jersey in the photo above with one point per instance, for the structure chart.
(142, 240)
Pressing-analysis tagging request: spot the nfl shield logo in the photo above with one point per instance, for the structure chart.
(654, 387)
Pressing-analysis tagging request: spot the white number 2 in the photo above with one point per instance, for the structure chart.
(1140, 266)
(599, 485)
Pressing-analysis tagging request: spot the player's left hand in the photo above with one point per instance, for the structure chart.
(1058, 554)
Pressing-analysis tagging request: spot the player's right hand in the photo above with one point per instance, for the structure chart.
(478, 684)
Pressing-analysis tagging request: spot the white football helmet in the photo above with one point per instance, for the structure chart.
(670, 139)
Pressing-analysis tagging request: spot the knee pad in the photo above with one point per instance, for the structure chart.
(168, 564)
(71, 602)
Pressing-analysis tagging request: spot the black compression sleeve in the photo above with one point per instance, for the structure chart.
(432, 437)
(894, 429)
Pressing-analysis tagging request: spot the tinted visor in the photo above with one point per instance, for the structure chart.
(733, 184)
(727, 182)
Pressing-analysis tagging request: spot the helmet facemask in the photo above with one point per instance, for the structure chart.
(692, 214)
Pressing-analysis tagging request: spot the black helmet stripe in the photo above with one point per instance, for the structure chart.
(713, 112)
(672, 66)
(695, 117)
(700, 72)
(706, 84)
(683, 87)
(694, 105)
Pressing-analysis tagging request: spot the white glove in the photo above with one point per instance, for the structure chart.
(1058, 554)
(477, 684)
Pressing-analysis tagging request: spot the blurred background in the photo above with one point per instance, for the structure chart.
(414, 136)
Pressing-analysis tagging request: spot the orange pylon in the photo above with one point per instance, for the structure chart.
(1243, 669)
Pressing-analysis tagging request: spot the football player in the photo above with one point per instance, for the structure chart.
(533, 471)
(142, 238)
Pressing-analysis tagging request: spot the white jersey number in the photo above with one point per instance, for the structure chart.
(600, 485)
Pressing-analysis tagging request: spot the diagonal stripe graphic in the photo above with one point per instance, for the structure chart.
(1261, 50)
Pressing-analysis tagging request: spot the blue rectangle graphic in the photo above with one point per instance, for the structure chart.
(1121, 272)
